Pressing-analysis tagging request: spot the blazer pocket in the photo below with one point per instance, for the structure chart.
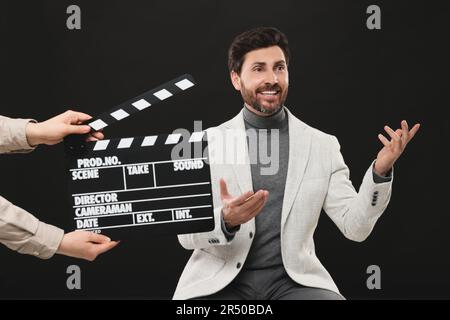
(203, 266)
(215, 263)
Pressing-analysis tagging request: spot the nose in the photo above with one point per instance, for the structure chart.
(273, 77)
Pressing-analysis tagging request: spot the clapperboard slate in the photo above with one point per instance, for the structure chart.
(119, 185)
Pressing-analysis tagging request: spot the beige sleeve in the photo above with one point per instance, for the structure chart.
(13, 137)
(24, 233)
(20, 230)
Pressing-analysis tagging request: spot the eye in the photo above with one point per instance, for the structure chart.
(257, 69)
(281, 68)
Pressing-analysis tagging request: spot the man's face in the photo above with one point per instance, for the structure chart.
(264, 80)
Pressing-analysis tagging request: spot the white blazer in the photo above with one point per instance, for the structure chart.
(317, 179)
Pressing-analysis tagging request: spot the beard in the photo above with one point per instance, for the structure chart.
(255, 98)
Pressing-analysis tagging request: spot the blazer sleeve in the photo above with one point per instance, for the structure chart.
(219, 236)
(354, 213)
(24, 233)
(201, 240)
(13, 137)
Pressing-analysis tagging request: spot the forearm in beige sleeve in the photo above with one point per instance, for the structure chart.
(24, 233)
(13, 138)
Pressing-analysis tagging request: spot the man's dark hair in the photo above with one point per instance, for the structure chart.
(257, 38)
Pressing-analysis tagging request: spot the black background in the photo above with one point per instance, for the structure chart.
(344, 79)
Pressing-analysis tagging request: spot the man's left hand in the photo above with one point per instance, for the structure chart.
(393, 149)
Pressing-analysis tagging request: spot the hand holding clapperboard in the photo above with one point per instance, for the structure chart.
(118, 185)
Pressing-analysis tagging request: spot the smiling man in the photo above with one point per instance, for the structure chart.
(263, 94)
(262, 246)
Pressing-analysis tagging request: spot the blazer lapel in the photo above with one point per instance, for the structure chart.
(299, 150)
(242, 171)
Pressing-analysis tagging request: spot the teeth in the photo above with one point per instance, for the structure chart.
(269, 92)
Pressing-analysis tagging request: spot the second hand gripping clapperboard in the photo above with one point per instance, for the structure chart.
(119, 185)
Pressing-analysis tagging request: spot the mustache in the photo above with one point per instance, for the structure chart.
(274, 87)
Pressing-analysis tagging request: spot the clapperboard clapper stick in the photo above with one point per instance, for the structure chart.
(121, 185)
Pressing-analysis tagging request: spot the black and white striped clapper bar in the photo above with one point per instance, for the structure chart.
(120, 185)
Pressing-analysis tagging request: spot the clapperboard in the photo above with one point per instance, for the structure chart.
(120, 185)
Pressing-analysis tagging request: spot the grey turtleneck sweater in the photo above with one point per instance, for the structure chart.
(266, 247)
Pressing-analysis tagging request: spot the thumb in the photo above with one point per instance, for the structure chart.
(98, 238)
(223, 189)
(101, 248)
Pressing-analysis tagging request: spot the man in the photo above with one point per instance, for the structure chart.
(262, 246)
(21, 231)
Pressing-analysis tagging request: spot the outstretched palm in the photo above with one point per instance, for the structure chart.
(393, 149)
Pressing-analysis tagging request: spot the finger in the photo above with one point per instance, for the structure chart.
(78, 129)
(251, 204)
(95, 136)
(249, 198)
(255, 212)
(384, 140)
(405, 132)
(413, 131)
(396, 141)
(98, 135)
(91, 139)
(399, 132)
(259, 208)
(223, 189)
(241, 199)
(98, 238)
(101, 248)
(392, 133)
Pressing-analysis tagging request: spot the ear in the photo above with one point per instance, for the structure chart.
(236, 80)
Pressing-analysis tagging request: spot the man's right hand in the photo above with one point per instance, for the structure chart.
(240, 209)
